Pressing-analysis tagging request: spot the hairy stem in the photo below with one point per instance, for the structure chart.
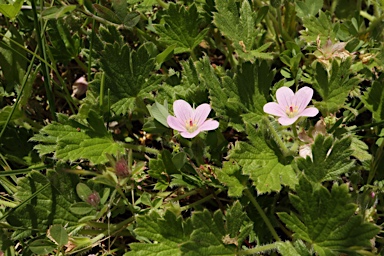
(262, 214)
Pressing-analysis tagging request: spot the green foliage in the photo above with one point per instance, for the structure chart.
(72, 140)
(231, 176)
(297, 248)
(128, 74)
(202, 234)
(12, 64)
(308, 7)
(374, 99)
(181, 27)
(239, 26)
(330, 158)
(261, 163)
(327, 220)
(243, 96)
(50, 206)
(11, 10)
(320, 26)
(334, 85)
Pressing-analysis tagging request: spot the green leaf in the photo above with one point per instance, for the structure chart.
(320, 26)
(298, 248)
(334, 86)
(64, 44)
(4, 113)
(243, 96)
(373, 99)
(181, 27)
(42, 247)
(179, 160)
(328, 220)
(261, 163)
(308, 7)
(83, 191)
(51, 206)
(81, 208)
(165, 55)
(128, 74)
(330, 158)
(55, 12)
(159, 112)
(230, 175)
(13, 60)
(239, 26)
(11, 10)
(58, 234)
(71, 140)
(168, 231)
(202, 234)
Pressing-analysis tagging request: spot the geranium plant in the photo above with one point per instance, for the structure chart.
(218, 127)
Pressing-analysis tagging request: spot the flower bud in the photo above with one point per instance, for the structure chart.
(121, 168)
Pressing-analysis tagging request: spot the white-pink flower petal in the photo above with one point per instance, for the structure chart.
(190, 122)
(175, 123)
(310, 112)
(284, 96)
(273, 108)
(290, 106)
(182, 110)
(209, 125)
(302, 98)
(201, 113)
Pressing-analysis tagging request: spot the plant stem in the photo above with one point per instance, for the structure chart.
(277, 138)
(48, 88)
(201, 201)
(142, 149)
(294, 130)
(262, 214)
(258, 249)
(162, 4)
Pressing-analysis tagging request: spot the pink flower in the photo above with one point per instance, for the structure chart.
(290, 106)
(190, 122)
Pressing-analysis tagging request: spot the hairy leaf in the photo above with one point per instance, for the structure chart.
(261, 163)
(374, 99)
(202, 234)
(329, 159)
(327, 219)
(51, 206)
(128, 74)
(71, 140)
(181, 27)
(334, 86)
(240, 26)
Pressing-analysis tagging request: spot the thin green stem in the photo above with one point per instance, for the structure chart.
(201, 201)
(142, 148)
(294, 130)
(48, 88)
(259, 249)
(262, 214)
(162, 4)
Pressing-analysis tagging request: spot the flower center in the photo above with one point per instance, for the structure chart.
(291, 111)
(191, 126)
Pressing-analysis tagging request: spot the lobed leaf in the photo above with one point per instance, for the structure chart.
(261, 163)
(330, 159)
(181, 28)
(327, 220)
(49, 207)
(71, 140)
